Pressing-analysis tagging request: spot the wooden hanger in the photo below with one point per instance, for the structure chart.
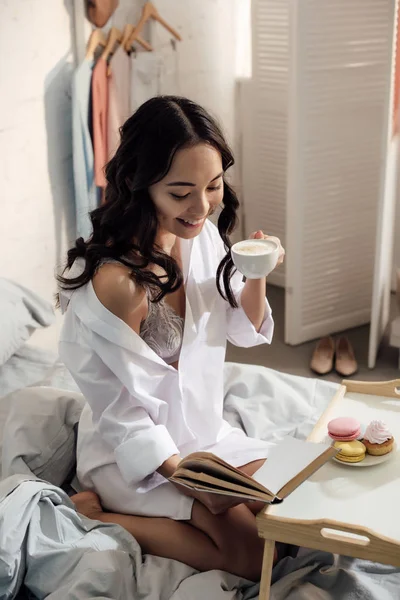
(149, 12)
(96, 39)
(127, 34)
(114, 36)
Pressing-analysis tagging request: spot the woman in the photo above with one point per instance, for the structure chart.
(150, 300)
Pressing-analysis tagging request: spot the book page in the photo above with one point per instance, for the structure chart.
(207, 489)
(286, 460)
(213, 465)
(216, 485)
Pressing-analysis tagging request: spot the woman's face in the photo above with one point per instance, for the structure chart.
(191, 190)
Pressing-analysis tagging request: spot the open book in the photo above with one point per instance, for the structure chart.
(289, 463)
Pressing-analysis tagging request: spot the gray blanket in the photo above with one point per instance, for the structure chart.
(315, 575)
(60, 555)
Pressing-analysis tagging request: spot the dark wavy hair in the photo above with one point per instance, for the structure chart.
(125, 226)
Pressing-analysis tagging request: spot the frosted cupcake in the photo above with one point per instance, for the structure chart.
(377, 439)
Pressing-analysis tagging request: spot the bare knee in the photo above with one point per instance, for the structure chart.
(237, 547)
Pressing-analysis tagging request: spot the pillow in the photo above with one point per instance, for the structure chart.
(40, 433)
(21, 311)
(5, 404)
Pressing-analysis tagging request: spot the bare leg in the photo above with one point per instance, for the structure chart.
(257, 507)
(228, 542)
(281, 549)
(250, 469)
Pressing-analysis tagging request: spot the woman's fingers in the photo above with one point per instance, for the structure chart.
(257, 235)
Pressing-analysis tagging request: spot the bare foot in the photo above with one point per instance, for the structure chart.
(88, 504)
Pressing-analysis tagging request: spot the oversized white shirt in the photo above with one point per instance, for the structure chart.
(141, 410)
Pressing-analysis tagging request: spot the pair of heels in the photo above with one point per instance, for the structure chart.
(328, 355)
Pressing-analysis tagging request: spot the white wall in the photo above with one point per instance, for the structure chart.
(35, 140)
(36, 37)
(206, 57)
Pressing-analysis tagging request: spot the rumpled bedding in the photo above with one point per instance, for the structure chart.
(52, 552)
(47, 550)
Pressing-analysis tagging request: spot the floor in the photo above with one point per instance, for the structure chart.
(295, 359)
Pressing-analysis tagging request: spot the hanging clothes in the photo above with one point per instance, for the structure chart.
(168, 76)
(144, 72)
(82, 149)
(100, 118)
(118, 98)
(153, 74)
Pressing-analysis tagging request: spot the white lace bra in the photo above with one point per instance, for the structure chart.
(162, 330)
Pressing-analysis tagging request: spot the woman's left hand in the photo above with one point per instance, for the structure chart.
(259, 235)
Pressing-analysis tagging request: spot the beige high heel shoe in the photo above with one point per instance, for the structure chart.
(345, 362)
(322, 358)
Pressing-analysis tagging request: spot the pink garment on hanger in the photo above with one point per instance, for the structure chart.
(100, 118)
(118, 98)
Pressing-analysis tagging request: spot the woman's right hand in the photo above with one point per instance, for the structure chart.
(215, 503)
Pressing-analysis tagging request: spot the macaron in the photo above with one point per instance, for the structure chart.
(344, 429)
(350, 452)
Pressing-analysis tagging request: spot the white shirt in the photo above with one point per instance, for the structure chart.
(142, 411)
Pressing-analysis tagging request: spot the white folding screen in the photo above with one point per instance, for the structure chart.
(316, 153)
(264, 109)
(340, 83)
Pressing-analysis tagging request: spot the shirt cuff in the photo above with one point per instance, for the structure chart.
(242, 332)
(144, 453)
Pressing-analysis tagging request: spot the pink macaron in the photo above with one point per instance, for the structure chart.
(344, 429)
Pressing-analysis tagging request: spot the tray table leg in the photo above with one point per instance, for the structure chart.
(268, 561)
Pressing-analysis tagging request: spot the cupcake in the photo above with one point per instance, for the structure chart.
(377, 439)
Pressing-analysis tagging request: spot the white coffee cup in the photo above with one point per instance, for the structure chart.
(255, 258)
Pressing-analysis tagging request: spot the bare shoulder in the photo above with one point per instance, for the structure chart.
(120, 294)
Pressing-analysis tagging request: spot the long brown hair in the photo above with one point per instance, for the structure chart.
(149, 140)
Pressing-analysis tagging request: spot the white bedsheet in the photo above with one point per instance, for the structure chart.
(270, 405)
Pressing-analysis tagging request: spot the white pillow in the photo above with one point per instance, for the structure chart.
(21, 312)
(5, 404)
(40, 433)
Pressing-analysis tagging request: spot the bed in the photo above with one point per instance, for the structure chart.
(39, 411)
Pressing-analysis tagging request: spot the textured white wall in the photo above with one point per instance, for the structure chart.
(35, 140)
(36, 37)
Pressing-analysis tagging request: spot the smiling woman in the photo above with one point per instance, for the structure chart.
(183, 206)
(148, 192)
(151, 299)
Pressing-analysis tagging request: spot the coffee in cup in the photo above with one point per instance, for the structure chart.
(255, 258)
